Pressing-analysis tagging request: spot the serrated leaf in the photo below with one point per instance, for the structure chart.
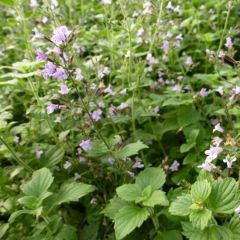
(200, 191)
(224, 196)
(52, 156)
(113, 207)
(129, 192)
(39, 184)
(210, 233)
(181, 206)
(70, 192)
(128, 218)
(200, 218)
(130, 150)
(169, 235)
(155, 177)
(158, 197)
(234, 226)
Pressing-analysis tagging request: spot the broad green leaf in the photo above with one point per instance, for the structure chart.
(155, 177)
(158, 197)
(129, 192)
(3, 229)
(67, 232)
(52, 156)
(128, 218)
(70, 192)
(200, 218)
(39, 184)
(146, 193)
(205, 175)
(169, 235)
(9, 3)
(224, 196)
(187, 115)
(99, 149)
(130, 150)
(200, 191)
(181, 206)
(113, 207)
(234, 226)
(187, 146)
(212, 232)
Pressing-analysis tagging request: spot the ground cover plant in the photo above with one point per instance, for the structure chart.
(119, 120)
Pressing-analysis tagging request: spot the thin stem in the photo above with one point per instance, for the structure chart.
(17, 159)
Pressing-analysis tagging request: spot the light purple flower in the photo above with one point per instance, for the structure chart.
(213, 153)
(122, 106)
(54, 3)
(108, 89)
(16, 139)
(64, 89)
(40, 55)
(33, 3)
(151, 60)
(60, 35)
(176, 88)
(165, 46)
(39, 154)
(67, 165)
(102, 72)
(57, 50)
(60, 74)
(228, 43)
(188, 61)
(96, 115)
(216, 141)
(206, 166)
(79, 75)
(51, 108)
(175, 166)
(111, 161)
(37, 34)
(218, 128)
(203, 92)
(48, 70)
(219, 90)
(85, 145)
(138, 163)
(147, 8)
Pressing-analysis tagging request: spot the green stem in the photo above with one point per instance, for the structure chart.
(17, 159)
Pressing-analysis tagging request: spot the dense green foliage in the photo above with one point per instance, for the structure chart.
(119, 120)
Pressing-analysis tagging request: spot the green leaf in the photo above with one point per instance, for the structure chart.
(67, 232)
(39, 184)
(155, 177)
(200, 191)
(224, 196)
(200, 218)
(187, 115)
(113, 207)
(158, 197)
(129, 192)
(130, 150)
(70, 192)
(52, 156)
(234, 226)
(16, 214)
(9, 3)
(3, 229)
(146, 193)
(181, 206)
(128, 218)
(169, 235)
(210, 233)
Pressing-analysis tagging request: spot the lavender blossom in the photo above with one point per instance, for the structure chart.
(39, 154)
(86, 145)
(64, 89)
(78, 74)
(60, 35)
(33, 3)
(213, 153)
(60, 74)
(51, 108)
(206, 166)
(229, 161)
(49, 70)
(175, 166)
(229, 43)
(216, 141)
(96, 115)
(189, 61)
(218, 128)
(203, 92)
(40, 55)
(67, 165)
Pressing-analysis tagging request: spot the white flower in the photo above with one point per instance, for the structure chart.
(106, 2)
(229, 161)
